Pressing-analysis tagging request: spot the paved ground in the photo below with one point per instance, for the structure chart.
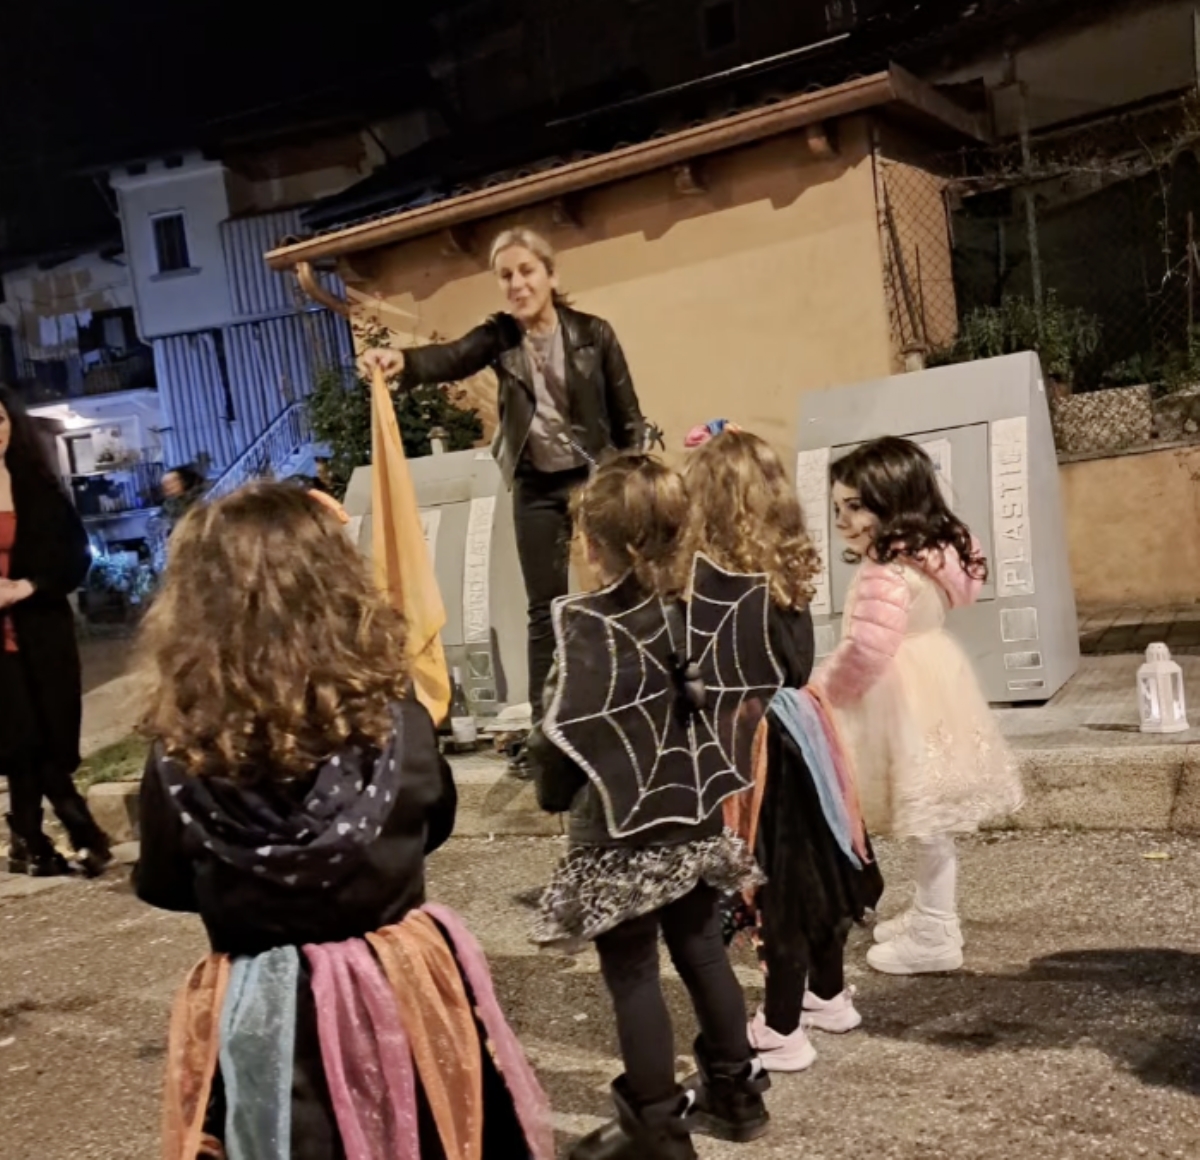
(1098, 709)
(104, 657)
(1074, 1033)
(1107, 631)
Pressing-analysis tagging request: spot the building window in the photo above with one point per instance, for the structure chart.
(170, 243)
(720, 28)
(841, 15)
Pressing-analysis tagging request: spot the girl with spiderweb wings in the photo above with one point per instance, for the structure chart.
(652, 711)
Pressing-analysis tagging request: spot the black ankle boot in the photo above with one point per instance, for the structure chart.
(660, 1131)
(34, 854)
(44, 860)
(729, 1098)
(18, 850)
(93, 851)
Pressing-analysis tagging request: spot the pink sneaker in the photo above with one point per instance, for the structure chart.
(837, 1015)
(781, 1052)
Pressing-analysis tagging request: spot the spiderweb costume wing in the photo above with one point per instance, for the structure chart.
(657, 701)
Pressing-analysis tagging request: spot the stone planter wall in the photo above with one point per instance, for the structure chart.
(1177, 416)
(1103, 421)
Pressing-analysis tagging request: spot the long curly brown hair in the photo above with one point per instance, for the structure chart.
(633, 515)
(898, 484)
(270, 646)
(746, 517)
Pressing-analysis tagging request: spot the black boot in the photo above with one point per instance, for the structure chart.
(729, 1097)
(660, 1131)
(93, 851)
(518, 761)
(45, 861)
(18, 850)
(34, 854)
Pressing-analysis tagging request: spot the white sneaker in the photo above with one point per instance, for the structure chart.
(891, 928)
(781, 1052)
(837, 1015)
(928, 946)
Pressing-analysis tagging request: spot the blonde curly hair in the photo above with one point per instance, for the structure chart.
(269, 646)
(746, 517)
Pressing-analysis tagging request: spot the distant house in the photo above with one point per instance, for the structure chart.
(69, 344)
(235, 348)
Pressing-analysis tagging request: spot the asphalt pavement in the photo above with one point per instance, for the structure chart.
(1073, 1032)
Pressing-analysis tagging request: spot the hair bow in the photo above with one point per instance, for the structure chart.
(701, 434)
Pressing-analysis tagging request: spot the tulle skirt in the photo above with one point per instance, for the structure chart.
(928, 753)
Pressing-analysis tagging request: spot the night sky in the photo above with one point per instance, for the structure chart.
(84, 86)
(85, 83)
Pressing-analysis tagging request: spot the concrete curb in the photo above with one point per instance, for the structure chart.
(1154, 787)
(111, 712)
(490, 804)
(1151, 787)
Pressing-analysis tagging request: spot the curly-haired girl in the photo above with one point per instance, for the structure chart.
(293, 790)
(746, 517)
(930, 759)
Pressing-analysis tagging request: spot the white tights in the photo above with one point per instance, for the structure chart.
(937, 877)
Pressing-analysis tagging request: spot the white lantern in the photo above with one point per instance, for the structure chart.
(1160, 693)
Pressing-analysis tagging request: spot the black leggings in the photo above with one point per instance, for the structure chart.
(542, 518)
(789, 970)
(30, 778)
(629, 962)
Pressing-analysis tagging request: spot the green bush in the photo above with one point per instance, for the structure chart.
(123, 761)
(1167, 371)
(1065, 338)
(339, 410)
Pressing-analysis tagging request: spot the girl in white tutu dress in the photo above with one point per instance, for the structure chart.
(930, 760)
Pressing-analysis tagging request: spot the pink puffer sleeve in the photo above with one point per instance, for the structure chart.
(878, 622)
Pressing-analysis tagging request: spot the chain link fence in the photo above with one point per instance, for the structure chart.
(1081, 244)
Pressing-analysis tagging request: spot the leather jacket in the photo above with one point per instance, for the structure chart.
(604, 411)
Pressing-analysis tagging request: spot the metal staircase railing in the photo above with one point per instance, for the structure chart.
(286, 434)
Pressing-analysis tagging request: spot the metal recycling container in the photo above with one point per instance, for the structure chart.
(466, 512)
(987, 427)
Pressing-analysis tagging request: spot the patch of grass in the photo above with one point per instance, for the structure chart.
(123, 761)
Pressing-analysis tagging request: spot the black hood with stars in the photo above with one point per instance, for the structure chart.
(306, 838)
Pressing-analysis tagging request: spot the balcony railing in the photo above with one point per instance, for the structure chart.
(119, 489)
(52, 381)
(131, 373)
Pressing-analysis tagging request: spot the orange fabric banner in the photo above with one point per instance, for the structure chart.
(403, 568)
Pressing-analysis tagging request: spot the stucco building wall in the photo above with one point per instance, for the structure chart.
(1133, 523)
(730, 302)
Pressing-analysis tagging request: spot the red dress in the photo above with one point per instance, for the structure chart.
(8, 537)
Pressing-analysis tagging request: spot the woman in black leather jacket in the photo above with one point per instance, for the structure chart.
(566, 399)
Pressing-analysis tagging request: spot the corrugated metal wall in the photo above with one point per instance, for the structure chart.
(269, 364)
(189, 387)
(254, 288)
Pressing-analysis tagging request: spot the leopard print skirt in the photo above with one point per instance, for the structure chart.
(596, 888)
